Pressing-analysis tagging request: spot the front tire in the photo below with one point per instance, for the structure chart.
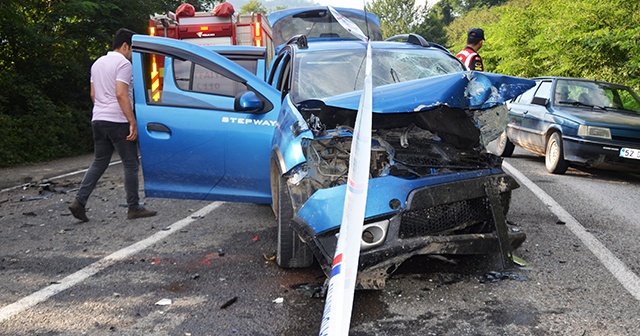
(292, 251)
(504, 146)
(554, 155)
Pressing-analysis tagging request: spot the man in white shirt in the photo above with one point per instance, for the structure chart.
(114, 126)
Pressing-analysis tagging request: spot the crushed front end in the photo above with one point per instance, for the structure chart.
(433, 188)
(428, 189)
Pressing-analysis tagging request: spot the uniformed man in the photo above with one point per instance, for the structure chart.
(469, 55)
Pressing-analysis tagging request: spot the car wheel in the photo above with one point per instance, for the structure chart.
(554, 157)
(292, 251)
(504, 146)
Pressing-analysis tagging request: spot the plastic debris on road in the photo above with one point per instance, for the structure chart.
(164, 302)
(497, 276)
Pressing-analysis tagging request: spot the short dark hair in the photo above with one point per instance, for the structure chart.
(122, 36)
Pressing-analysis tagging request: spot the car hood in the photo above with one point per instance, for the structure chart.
(468, 89)
(600, 117)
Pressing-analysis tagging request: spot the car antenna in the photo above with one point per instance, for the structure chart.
(366, 19)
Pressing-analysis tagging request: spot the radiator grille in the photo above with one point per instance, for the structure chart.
(443, 218)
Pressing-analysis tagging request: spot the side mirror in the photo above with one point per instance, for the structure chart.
(248, 101)
(540, 101)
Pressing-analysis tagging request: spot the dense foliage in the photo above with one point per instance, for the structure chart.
(46, 50)
(580, 38)
(48, 46)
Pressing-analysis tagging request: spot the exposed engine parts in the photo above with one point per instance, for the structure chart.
(408, 152)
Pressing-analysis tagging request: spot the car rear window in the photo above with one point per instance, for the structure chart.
(320, 24)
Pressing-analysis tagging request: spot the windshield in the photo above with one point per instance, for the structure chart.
(325, 74)
(320, 23)
(596, 94)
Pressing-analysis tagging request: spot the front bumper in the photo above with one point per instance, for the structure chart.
(448, 218)
(598, 154)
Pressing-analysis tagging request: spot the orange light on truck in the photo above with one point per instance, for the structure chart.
(152, 31)
(257, 34)
(204, 28)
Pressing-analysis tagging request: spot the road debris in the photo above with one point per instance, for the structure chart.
(278, 300)
(519, 261)
(229, 303)
(269, 258)
(311, 290)
(35, 198)
(497, 276)
(164, 302)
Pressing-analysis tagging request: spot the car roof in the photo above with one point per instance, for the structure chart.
(279, 15)
(577, 79)
(339, 45)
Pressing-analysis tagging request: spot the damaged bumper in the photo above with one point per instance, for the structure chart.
(445, 214)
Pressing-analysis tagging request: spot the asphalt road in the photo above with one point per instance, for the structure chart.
(211, 263)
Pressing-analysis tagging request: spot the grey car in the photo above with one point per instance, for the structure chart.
(580, 121)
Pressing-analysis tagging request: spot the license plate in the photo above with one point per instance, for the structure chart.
(630, 153)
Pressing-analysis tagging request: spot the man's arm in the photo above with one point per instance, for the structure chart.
(93, 94)
(122, 93)
(476, 64)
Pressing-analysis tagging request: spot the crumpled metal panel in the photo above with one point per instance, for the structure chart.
(463, 90)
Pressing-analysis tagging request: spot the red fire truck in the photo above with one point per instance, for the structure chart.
(214, 29)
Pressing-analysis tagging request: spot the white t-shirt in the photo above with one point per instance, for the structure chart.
(105, 71)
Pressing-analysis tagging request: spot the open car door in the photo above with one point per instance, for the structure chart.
(205, 123)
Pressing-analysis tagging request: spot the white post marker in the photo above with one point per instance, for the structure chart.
(339, 303)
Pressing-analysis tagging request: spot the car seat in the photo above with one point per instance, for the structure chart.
(584, 98)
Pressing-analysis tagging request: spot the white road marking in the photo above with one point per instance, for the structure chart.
(81, 275)
(629, 280)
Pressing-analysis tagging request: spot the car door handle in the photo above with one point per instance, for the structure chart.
(155, 127)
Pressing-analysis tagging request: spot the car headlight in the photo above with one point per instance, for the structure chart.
(593, 131)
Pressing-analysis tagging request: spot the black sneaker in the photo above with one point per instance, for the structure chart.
(141, 212)
(78, 211)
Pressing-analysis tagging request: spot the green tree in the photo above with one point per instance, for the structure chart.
(253, 6)
(581, 38)
(396, 16)
(46, 51)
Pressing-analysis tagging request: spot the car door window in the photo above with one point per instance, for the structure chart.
(184, 83)
(544, 90)
(526, 97)
(190, 76)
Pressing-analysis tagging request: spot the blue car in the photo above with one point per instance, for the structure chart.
(572, 120)
(217, 132)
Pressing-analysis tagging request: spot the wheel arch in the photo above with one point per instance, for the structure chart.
(549, 132)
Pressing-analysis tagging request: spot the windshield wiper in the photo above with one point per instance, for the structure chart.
(394, 76)
(579, 103)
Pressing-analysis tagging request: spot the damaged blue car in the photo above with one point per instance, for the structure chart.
(214, 131)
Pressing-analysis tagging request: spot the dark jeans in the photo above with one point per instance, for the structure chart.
(108, 136)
